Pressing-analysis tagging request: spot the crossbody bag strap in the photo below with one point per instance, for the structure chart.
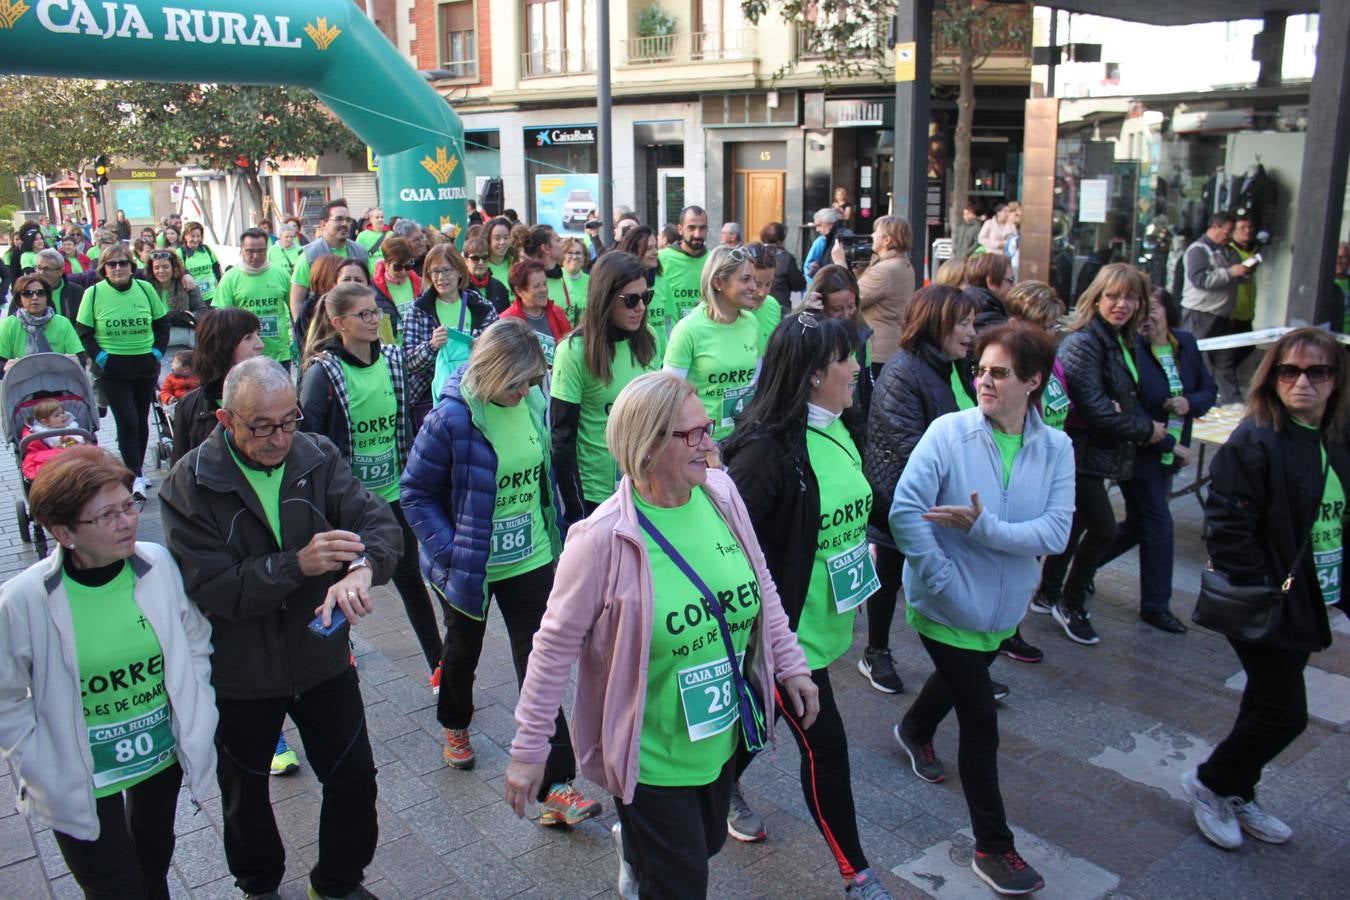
(752, 717)
(1307, 541)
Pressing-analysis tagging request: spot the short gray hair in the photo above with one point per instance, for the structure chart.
(287, 228)
(405, 227)
(52, 256)
(260, 373)
(733, 227)
(826, 216)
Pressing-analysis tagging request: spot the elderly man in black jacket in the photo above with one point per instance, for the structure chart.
(275, 538)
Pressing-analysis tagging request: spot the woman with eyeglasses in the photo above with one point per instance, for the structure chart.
(124, 326)
(669, 684)
(482, 501)
(800, 475)
(716, 347)
(500, 234)
(612, 346)
(480, 278)
(34, 326)
(200, 260)
(443, 322)
(1107, 426)
(354, 391)
(989, 277)
(1276, 509)
(396, 286)
(529, 284)
(986, 491)
(100, 756)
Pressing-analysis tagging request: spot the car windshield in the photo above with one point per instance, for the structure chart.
(579, 197)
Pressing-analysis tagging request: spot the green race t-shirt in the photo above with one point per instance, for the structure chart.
(59, 333)
(576, 292)
(678, 288)
(1055, 402)
(1129, 358)
(284, 258)
(721, 362)
(267, 296)
(76, 267)
(1009, 445)
(955, 637)
(403, 297)
(574, 383)
(769, 314)
(1167, 359)
(373, 413)
(1328, 537)
(122, 319)
(127, 718)
(520, 541)
(963, 400)
(688, 724)
(94, 252)
(266, 487)
(200, 266)
(301, 274)
(843, 575)
(28, 260)
(501, 271)
(368, 238)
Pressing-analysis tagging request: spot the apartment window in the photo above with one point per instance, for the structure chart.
(459, 37)
(560, 36)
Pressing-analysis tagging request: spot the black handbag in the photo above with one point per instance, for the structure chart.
(1250, 613)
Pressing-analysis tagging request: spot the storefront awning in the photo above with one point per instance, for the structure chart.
(1174, 12)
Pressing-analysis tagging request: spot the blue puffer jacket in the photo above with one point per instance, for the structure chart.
(449, 493)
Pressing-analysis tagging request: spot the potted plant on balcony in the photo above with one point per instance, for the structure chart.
(656, 34)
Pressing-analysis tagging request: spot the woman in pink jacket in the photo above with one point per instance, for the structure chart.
(689, 675)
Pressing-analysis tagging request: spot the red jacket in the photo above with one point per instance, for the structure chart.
(557, 319)
(84, 261)
(175, 387)
(381, 282)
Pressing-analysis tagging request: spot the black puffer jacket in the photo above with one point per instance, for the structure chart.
(913, 389)
(992, 311)
(1104, 437)
(1265, 489)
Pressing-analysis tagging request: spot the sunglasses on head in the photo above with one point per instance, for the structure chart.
(161, 254)
(630, 301)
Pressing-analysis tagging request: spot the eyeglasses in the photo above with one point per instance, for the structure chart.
(108, 518)
(741, 254)
(807, 320)
(340, 220)
(116, 263)
(1121, 298)
(267, 430)
(369, 316)
(445, 272)
(473, 258)
(694, 436)
(998, 373)
(48, 270)
(1316, 374)
(630, 301)
(33, 292)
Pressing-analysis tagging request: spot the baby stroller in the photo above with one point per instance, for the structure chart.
(163, 417)
(30, 380)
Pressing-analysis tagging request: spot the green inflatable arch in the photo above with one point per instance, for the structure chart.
(325, 45)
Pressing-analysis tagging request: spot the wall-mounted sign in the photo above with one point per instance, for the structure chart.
(559, 136)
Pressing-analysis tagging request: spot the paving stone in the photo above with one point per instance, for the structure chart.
(943, 871)
(483, 868)
(16, 841)
(1158, 759)
(411, 868)
(400, 788)
(200, 857)
(440, 830)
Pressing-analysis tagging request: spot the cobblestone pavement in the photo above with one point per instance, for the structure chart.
(1093, 743)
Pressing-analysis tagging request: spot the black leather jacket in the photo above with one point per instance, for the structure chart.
(1107, 423)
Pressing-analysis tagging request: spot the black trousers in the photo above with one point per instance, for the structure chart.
(827, 785)
(881, 605)
(130, 399)
(1273, 712)
(413, 591)
(670, 833)
(130, 857)
(960, 681)
(521, 601)
(332, 724)
(1091, 535)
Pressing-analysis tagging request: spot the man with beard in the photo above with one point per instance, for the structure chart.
(334, 224)
(678, 284)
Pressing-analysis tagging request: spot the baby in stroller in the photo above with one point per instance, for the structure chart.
(180, 380)
(48, 415)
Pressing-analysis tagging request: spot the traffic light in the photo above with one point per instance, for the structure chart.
(101, 169)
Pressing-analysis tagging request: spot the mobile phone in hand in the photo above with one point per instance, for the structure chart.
(338, 619)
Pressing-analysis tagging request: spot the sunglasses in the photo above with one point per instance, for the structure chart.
(741, 254)
(474, 257)
(400, 267)
(998, 373)
(32, 292)
(117, 263)
(631, 301)
(161, 254)
(1288, 374)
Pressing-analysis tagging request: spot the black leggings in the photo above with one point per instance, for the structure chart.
(130, 399)
(670, 833)
(1091, 535)
(130, 857)
(881, 605)
(413, 591)
(827, 785)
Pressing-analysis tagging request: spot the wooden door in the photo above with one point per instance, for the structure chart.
(763, 201)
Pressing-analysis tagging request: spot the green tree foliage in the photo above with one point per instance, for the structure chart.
(50, 125)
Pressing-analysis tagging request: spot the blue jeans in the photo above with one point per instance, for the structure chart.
(1148, 524)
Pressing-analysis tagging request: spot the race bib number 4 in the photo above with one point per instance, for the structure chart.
(126, 750)
(734, 400)
(270, 327)
(708, 695)
(375, 471)
(1328, 564)
(853, 577)
(512, 539)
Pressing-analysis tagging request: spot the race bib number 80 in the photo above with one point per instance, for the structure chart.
(124, 750)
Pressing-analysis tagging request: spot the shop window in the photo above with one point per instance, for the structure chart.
(560, 37)
(458, 20)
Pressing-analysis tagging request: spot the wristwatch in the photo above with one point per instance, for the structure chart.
(361, 562)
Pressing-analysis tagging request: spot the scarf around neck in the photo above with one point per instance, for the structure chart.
(36, 327)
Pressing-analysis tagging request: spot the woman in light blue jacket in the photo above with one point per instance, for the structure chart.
(985, 492)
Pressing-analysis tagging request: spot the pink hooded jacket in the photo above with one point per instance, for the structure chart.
(600, 611)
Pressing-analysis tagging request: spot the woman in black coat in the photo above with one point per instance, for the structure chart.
(926, 378)
(225, 336)
(1106, 425)
(1176, 388)
(1283, 472)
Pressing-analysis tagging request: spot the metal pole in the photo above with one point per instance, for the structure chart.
(604, 132)
(912, 99)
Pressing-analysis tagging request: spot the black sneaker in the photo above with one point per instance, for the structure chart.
(1001, 690)
(1017, 648)
(1007, 872)
(877, 667)
(1041, 604)
(1075, 624)
(922, 759)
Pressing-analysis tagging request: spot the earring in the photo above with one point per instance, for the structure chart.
(815, 382)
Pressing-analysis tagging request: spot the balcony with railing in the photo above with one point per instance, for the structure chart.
(691, 46)
(557, 62)
(811, 43)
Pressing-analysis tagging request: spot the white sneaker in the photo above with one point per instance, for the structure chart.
(1260, 824)
(1213, 814)
(627, 888)
(140, 488)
